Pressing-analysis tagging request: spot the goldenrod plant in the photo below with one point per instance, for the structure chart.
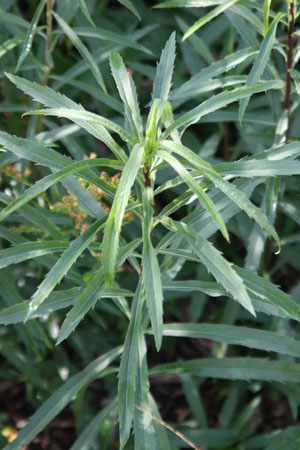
(150, 162)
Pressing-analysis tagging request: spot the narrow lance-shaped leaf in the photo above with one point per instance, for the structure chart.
(266, 11)
(188, 3)
(129, 5)
(89, 435)
(89, 295)
(115, 218)
(219, 101)
(57, 401)
(53, 99)
(30, 34)
(233, 369)
(212, 71)
(162, 82)
(87, 117)
(85, 11)
(208, 17)
(151, 271)
(261, 62)
(9, 45)
(229, 334)
(64, 263)
(128, 94)
(215, 263)
(84, 303)
(229, 189)
(29, 250)
(196, 188)
(86, 55)
(128, 367)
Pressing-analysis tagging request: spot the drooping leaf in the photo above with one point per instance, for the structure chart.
(85, 116)
(63, 264)
(214, 262)
(228, 188)
(196, 188)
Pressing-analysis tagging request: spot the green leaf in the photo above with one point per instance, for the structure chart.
(258, 168)
(218, 266)
(85, 11)
(40, 154)
(57, 401)
(212, 71)
(144, 429)
(260, 62)
(263, 288)
(188, 3)
(128, 94)
(110, 36)
(50, 180)
(83, 304)
(128, 4)
(63, 264)
(233, 369)
(86, 55)
(162, 82)
(208, 17)
(128, 367)
(151, 271)
(30, 34)
(266, 12)
(57, 300)
(29, 250)
(115, 218)
(87, 117)
(229, 189)
(229, 334)
(88, 436)
(9, 45)
(53, 99)
(196, 188)
(219, 101)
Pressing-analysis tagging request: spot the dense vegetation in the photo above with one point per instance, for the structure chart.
(150, 243)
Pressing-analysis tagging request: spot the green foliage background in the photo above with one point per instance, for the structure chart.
(150, 197)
